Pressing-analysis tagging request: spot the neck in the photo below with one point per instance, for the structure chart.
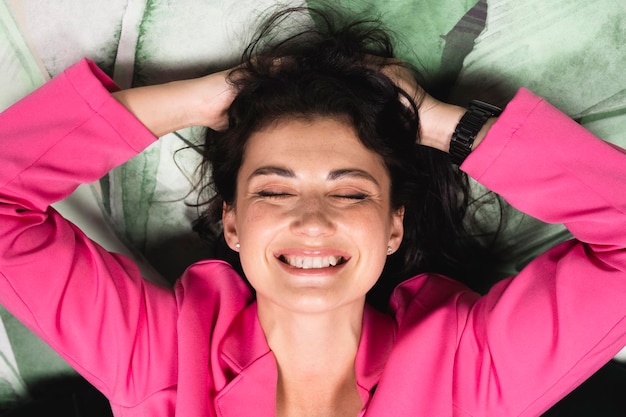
(309, 341)
(315, 354)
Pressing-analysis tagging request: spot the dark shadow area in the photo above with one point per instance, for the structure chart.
(601, 395)
(459, 42)
(67, 397)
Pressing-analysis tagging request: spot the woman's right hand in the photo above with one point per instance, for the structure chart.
(215, 94)
(165, 108)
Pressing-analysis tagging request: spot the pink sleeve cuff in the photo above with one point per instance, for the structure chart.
(509, 122)
(95, 88)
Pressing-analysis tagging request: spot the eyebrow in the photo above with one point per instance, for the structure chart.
(272, 170)
(352, 172)
(332, 176)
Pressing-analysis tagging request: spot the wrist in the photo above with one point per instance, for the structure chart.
(438, 123)
(483, 131)
(161, 108)
(190, 102)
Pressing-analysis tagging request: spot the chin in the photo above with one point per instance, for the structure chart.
(319, 304)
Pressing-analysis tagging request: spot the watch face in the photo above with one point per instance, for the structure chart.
(489, 108)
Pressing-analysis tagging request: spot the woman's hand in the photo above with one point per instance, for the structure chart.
(438, 120)
(168, 107)
(215, 95)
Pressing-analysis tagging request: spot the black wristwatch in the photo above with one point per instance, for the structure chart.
(470, 124)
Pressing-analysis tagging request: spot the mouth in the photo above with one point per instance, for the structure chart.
(312, 262)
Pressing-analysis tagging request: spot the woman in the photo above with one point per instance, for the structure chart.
(319, 180)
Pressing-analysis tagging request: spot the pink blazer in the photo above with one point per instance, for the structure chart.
(199, 350)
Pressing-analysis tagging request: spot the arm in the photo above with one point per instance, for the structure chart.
(166, 108)
(79, 298)
(545, 331)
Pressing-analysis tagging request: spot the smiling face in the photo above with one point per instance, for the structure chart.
(312, 215)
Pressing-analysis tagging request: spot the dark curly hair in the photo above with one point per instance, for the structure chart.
(328, 69)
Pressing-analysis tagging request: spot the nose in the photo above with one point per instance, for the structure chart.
(312, 218)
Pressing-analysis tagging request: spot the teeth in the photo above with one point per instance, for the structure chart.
(312, 262)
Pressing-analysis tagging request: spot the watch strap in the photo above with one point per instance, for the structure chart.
(473, 120)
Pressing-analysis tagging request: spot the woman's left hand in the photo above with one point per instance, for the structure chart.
(437, 119)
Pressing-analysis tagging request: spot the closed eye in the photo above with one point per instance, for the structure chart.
(351, 196)
(273, 194)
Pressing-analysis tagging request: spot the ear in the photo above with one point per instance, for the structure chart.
(229, 221)
(397, 228)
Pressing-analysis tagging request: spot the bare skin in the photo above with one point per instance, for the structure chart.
(313, 384)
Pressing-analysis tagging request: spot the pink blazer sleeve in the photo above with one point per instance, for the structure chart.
(539, 335)
(89, 305)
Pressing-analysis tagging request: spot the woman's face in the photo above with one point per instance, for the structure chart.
(312, 215)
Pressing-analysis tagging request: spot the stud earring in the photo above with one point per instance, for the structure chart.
(389, 250)
(237, 247)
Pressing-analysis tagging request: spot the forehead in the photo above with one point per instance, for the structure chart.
(316, 144)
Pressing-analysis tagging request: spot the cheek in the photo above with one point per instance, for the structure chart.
(373, 225)
(258, 224)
